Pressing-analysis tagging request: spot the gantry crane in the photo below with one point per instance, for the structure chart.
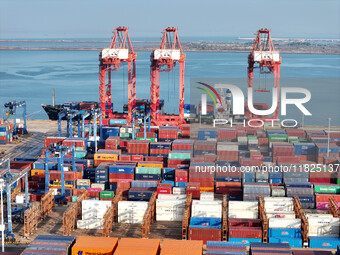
(10, 109)
(164, 59)
(268, 60)
(120, 51)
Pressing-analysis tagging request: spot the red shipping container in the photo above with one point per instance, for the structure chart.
(164, 190)
(125, 157)
(326, 197)
(138, 147)
(227, 155)
(112, 143)
(234, 222)
(185, 131)
(21, 164)
(187, 145)
(210, 158)
(137, 158)
(245, 232)
(194, 189)
(148, 135)
(175, 162)
(93, 193)
(51, 140)
(237, 192)
(197, 160)
(226, 134)
(287, 159)
(205, 234)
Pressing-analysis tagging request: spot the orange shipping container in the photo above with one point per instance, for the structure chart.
(183, 247)
(87, 245)
(134, 246)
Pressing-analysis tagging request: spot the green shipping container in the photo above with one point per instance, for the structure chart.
(125, 135)
(179, 155)
(107, 194)
(93, 198)
(74, 199)
(278, 193)
(148, 170)
(282, 138)
(327, 189)
(152, 139)
(338, 182)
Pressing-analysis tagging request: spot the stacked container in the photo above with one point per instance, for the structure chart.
(206, 221)
(205, 134)
(304, 191)
(305, 151)
(6, 134)
(167, 134)
(131, 211)
(227, 151)
(92, 214)
(204, 174)
(251, 192)
(170, 207)
(50, 244)
(216, 247)
(270, 248)
(245, 230)
(243, 209)
(282, 208)
(323, 231)
(160, 149)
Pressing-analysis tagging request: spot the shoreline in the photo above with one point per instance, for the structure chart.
(286, 51)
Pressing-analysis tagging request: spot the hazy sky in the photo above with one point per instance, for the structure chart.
(79, 18)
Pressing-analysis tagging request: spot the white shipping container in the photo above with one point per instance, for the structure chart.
(283, 214)
(243, 205)
(284, 223)
(131, 211)
(115, 53)
(207, 196)
(167, 53)
(227, 147)
(172, 197)
(318, 215)
(206, 209)
(98, 186)
(277, 199)
(266, 55)
(94, 209)
(179, 190)
(243, 214)
(90, 224)
(323, 226)
(83, 182)
(279, 206)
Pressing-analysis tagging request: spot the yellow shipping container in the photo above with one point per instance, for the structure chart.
(106, 156)
(153, 164)
(89, 245)
(134, 246)
(37, 172)
(207, 189)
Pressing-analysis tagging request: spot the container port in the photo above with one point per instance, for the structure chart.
(95, 180)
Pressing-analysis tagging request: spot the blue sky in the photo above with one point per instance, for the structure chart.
(146, 18)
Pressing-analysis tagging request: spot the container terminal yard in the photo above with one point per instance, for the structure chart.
(99, 181)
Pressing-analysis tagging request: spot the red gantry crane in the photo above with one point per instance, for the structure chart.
(269, 61)
(120, 50)
(164, 60)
